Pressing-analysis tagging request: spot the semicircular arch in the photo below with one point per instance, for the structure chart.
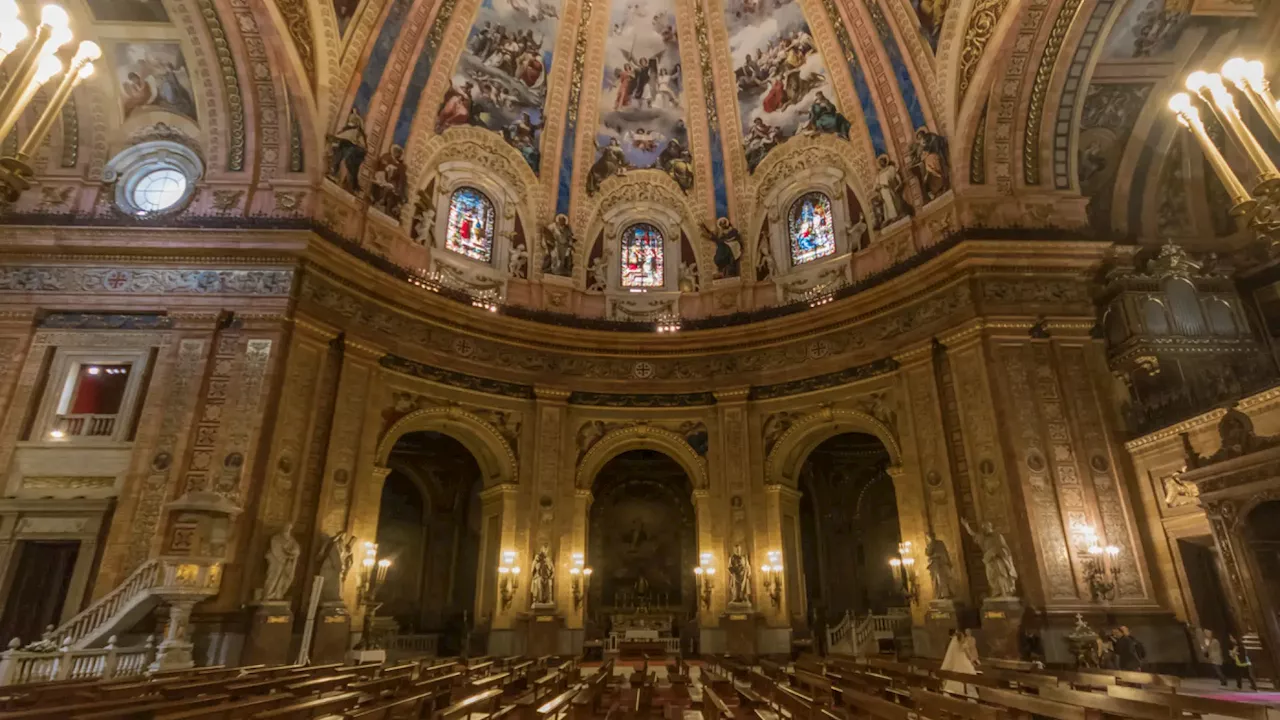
(783, 464)
(640, 437)
(494, 455)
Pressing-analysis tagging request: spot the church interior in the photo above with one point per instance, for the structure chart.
(907, 358)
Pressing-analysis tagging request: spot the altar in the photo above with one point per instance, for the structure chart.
(633, 635)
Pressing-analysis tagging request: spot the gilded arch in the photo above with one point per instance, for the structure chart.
(782, 466)
(494, 455)
(641, 437)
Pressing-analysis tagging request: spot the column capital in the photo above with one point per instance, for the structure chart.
(781, 490)
(499, 490)
(548, 394)
(732, 395)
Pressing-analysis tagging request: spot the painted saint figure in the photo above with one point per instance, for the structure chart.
(558, 247)
(347, 149)
(887, 203)
(928, 156)
(728, 243)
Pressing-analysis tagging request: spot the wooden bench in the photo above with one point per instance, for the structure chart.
(714, 708)
(324, 684)
(1109, 705)
(587, 699)
(312, 708)
(232, 710)
(1025, 707)
(50, 712)
(717, 682)
(934, 705)
(874, 706)
(477, 706)
(393, 709)
(796, 704)
(380, 687)
(147, 711)
(816, 686)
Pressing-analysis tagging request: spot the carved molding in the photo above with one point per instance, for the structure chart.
(496, 457)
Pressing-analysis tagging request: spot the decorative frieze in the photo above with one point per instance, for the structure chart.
(143, 281)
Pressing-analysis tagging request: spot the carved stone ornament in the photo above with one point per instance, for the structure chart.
(1238, 439)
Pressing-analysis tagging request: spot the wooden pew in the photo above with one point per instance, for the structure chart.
(816, 686)
(761, 685)
(874, 706)
(149, 710)
(1024, 707)
(263, 686)
(811, 664)
(1108, 705)
(586, 700)
(555, 708)
(232, 710)
(393, 709)
(1183, 705)
(478, 706)
(796, 704)
(312, 708)
(934, 705)
(721, 684)
(380, 687)
(323, 684)
(714, 708)
(52, 712)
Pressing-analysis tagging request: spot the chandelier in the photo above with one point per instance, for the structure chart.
(1262, 202)
(37, 65)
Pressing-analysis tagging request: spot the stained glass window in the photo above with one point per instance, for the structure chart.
(810, 226)
(642, 257)
(471, 228)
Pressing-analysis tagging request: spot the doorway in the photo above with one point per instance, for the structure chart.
(1200, 561)
(39, 587)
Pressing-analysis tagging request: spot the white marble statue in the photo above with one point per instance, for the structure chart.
(282, 563)
(739, 577)
(1002, 575)
(542, 579)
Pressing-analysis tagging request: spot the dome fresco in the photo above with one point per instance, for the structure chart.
(706, 120)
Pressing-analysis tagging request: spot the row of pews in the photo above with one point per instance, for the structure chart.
(479, 689)
(844, 688)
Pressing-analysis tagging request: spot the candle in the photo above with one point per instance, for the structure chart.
(1190, 118)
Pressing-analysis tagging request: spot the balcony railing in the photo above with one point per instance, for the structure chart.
(19, 667)
(85, 425)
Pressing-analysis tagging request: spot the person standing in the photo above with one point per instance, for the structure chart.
(1243, 665)
(1211, 652)
(1128, 650)
(958, 660)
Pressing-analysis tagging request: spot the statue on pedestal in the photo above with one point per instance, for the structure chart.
(939, 566)
(336, 558)
(542, 578)
(739, 577)
(1002, 575)
(282, 562)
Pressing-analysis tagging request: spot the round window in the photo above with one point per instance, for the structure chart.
(159, 190)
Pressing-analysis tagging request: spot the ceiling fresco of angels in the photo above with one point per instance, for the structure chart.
(641, 101)
(783, 84)
(500, 82)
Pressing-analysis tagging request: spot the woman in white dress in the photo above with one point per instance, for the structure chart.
(961, 657)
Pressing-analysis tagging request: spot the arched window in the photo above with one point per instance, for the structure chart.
(642, 257)
(811, 229)
(471, 220)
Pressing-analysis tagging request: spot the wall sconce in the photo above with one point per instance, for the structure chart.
(373, 573)
(903, 567)
(773, 577)
(508, 578)
(1100, 568)
(704, 577)
(581, 580)
(1250, 79)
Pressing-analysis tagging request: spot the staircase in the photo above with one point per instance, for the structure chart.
(116, 611)
(861, 638)
(146, 587)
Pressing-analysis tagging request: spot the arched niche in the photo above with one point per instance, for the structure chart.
(832, 270)
(783, 464)
(494, 455)
(641, 437)
(618, 219)
(455, 175)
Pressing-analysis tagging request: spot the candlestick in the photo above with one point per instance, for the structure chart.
(1210, 88)
(1241, 203)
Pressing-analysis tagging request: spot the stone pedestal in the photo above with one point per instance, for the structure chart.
(1001, 627)
(332, 634)
(940, 620)
(542, 633)
(270, 634)
(741, 634)
(174, 652)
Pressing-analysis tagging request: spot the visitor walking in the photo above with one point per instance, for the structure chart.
(1243, 665)
(1211, 652)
